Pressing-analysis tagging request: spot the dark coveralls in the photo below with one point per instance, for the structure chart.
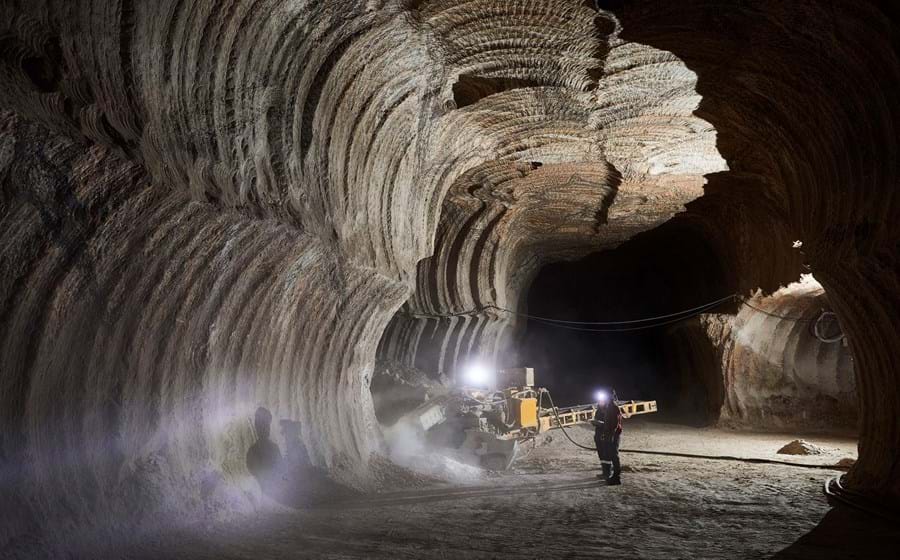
(608, 431)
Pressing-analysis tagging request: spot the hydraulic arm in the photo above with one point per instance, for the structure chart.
(496, 420)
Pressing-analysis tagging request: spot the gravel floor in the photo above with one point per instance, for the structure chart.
(551, 505)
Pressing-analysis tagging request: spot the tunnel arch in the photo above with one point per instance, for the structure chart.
(255, 192)
(662, 272)
(824, 186)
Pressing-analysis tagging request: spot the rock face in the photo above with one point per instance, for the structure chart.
(809, 138)
(579, 171)
(398, 389)
(214, 207)
(776, 372)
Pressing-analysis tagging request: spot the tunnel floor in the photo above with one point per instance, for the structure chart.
(551, 506)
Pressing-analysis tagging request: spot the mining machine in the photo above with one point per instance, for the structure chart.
(487, 421)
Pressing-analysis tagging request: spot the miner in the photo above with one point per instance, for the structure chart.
(607, 431)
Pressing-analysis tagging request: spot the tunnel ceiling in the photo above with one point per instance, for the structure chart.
(213, 206)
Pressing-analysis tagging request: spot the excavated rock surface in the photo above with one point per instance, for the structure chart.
(806, 107)
(226, 206)
(212, 207)
(776, 372)
(143, 329)
(398, 389)
(580, 172)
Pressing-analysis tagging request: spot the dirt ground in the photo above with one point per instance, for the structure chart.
(551, 505)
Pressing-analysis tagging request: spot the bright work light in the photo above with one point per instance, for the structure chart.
(476, 375)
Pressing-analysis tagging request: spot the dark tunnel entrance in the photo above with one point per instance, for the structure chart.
(655, 274)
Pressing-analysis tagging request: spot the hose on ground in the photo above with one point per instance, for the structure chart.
(732, 458)
(836, 494)
(688, 455)
(840, 495)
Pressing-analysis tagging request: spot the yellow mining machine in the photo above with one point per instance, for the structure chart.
(487, 424)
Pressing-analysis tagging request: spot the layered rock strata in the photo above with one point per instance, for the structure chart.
(784, 362)
(211, 207)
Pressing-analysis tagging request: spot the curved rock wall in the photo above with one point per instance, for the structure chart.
(777, 373)
(249, 254)
(141, 332)
(581, 172)
(276, 170)
(806, 107)
(246, 192)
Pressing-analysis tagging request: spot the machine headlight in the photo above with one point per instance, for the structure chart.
(476, 375)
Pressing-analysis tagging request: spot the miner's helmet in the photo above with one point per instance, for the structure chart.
(605, 395)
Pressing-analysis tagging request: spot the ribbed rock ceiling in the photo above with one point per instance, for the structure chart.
(210, 206)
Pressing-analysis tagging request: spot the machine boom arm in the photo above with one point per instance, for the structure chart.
(569, 416)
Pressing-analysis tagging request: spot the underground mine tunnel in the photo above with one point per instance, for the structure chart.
(305, 278)
(656, 276)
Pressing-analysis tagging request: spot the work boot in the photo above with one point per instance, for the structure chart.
(613, 480)
(606, 470)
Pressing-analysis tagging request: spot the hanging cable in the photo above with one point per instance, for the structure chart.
(633, 321)
(777, 316)
(696, 312)
(639, 324)
(815, 328)
(684, 314)
(468, 313)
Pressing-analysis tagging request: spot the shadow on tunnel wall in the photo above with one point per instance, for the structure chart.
(843, 534)
(804, 99)
(693, 359)
(289, 479)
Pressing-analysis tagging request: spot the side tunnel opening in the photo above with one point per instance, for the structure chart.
(774, 362)
(654, 275)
